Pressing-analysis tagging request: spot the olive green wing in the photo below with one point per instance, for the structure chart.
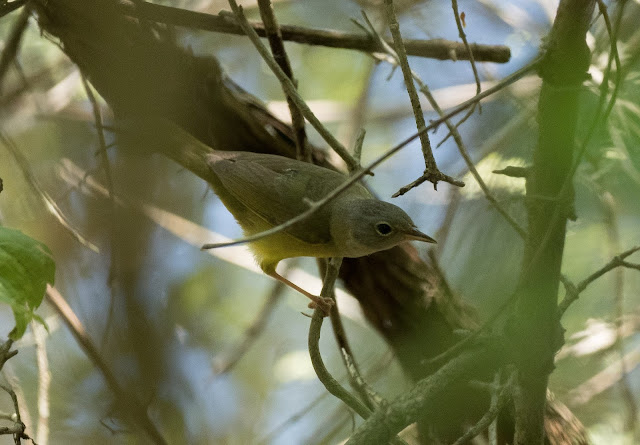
(275, 189)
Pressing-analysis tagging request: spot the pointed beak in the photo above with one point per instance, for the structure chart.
(415, 234)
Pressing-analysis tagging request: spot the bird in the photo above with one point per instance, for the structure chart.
(263, 191)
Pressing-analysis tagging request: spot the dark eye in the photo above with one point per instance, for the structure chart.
(383, 228)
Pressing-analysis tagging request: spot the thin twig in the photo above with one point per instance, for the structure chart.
(106, 165)
(431, 172)
(274, 36)
(314, 207)
(6, 353)
(357, 146)
(611, 221)
(462, 149)
(497, 403)
(492, 431)
(18, 428)
(573, 291)
(437, 48)
(613, 54)
(137, 411)
(355, 379)
(371, 397)
(290, 88)
(49, 203)
(329, 382)
(395, 57)
(44, 382)
(463, 36)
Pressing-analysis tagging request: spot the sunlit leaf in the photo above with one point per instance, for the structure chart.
(26, 266)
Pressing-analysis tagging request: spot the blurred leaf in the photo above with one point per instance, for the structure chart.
(26, 266)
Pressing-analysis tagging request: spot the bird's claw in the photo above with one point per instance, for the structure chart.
(324, 304)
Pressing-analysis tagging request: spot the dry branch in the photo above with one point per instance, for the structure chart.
(436, 49)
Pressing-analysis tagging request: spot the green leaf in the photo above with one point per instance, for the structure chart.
(26, 266)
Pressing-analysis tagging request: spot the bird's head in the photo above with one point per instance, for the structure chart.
(364, 226)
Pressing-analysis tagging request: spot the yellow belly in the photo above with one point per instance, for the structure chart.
(269, 251)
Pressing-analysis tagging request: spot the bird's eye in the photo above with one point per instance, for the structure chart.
(383, 228)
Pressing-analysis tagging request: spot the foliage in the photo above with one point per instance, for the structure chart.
(26, 267)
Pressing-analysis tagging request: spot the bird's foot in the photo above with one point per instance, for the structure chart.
(324, 304)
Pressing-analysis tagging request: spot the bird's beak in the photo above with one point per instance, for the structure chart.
(415, 234)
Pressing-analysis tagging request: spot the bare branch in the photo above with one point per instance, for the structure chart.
(573, 291)
(463, 36)
(395, 58)
(272, 30)
(421, 400)
(431, 172)
(498, 401)
(44, 382)
(332, 385)
(6, 353)
(371, 397)
(18, 428)
(437, 49)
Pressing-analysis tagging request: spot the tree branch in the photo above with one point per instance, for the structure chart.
(535, 330)
(421, 400)
(290, 88)
(329, 382)
(436, 49)
(272, 30)
(573, 291)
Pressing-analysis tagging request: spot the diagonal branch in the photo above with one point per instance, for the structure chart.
(272, 29)
(290, 88)
(47, 200)
(421, 400)
(137, 411)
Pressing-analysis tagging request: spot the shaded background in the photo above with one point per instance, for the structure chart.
(185, 311)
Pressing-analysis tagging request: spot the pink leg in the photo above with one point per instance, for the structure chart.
(323, 303)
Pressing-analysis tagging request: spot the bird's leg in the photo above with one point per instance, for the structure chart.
(323, 303)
